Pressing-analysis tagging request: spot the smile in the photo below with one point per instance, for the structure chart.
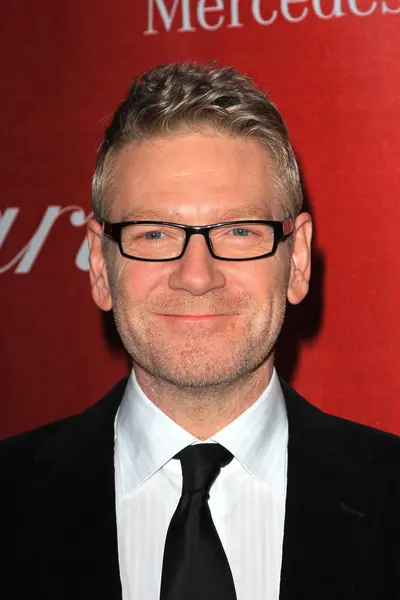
(193, 317)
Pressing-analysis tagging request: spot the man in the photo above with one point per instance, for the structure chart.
(202, 475)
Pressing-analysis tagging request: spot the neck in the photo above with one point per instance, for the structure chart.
(204, 411)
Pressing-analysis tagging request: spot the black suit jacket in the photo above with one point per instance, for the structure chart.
(342, 525)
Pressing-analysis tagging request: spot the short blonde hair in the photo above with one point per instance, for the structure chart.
(172, 97)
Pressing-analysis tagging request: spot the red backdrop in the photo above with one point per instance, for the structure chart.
(331, 66)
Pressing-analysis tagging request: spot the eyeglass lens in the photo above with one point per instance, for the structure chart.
(244, 240)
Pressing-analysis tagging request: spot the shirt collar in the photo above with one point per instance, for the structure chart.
(258, 438)
(146, 438)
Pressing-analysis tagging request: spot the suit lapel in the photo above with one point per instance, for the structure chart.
(331, 541)
(70, 508)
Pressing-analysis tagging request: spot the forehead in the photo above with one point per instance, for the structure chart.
(194, 175)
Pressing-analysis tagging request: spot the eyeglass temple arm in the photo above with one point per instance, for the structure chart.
(287, 226)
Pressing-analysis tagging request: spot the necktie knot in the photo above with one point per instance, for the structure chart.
(201, 465)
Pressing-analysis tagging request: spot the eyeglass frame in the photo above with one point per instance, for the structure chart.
(282, 229)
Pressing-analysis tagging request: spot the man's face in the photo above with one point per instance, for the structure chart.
(196, 321)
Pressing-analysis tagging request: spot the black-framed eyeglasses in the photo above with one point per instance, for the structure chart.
(159, 241)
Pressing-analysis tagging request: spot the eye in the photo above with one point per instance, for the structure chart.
(240, 232)
(153, 235)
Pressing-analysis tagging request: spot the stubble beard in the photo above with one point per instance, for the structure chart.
(200, 359)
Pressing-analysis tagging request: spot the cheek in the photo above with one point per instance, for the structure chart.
(137, 279)
(261, 279)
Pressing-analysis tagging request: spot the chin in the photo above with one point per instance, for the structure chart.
(197, 369)
(199, 380)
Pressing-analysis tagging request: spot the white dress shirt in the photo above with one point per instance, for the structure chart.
(247, 500)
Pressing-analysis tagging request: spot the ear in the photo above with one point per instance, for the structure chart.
(98, 270)
(300, 262)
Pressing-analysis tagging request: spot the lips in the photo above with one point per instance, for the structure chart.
(193, 317)
(189, 316)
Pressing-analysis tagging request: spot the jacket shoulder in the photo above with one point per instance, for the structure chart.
(345, 442)
(23, 446)
(18, 453)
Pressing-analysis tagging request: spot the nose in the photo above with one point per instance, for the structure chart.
(197, 272)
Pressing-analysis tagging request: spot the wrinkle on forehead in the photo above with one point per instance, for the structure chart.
(195, 176)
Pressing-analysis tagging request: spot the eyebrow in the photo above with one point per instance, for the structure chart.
(241, 212)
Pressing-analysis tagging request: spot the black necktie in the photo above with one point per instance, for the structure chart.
(195, 566)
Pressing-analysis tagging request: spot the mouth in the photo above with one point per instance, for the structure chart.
(194, 317)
